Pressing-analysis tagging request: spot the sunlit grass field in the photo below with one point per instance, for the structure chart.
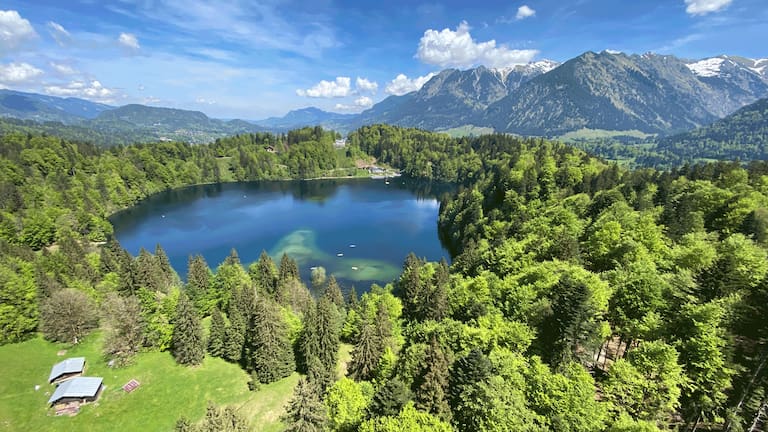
(167, 391)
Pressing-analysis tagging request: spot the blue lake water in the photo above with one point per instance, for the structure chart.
(360, 230)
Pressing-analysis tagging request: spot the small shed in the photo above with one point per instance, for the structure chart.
(66, 370)
(80, 390)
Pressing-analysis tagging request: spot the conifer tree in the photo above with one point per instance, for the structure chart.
(164, 265)
(184, 425)
(431, 394)
(239, 316)
(383, 326)
(305, 411)
(352, 299)
(187, 343)
(198, 280)
(328, 331)
(266, 274)
(217, 334)
(308, 343)
(366, 354)
(437, 303)
(412, 289)
(319, 343)
(289, 269)
(233, 258)
(390, 398)
(333, 293)
(268, 352)
(129, 278)
(148, 271)
(466, 375)
(108, 262)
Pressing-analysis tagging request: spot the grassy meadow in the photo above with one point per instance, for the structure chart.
(167, 391)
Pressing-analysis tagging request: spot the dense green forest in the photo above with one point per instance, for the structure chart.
(581, 297)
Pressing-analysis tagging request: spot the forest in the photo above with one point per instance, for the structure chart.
(581, 296)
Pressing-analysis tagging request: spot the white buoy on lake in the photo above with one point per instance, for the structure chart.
(354, 268)
(353, 245)
(339, 254)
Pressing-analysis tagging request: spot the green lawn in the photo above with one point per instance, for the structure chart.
(167, 391)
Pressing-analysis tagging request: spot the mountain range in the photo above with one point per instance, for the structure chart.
(605, 91)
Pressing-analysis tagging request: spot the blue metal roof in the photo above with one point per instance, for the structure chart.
(68, 366)
(80, 387)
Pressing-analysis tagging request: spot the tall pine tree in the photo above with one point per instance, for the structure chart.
(366, 354)
(431, 394)
(268, 351)
(187, 342)
(305, 411)
(217, 334)
(198, 281)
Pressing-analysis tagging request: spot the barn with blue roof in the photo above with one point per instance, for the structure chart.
(78, 390)
(66, 370)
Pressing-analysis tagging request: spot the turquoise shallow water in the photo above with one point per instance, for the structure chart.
(360, 230)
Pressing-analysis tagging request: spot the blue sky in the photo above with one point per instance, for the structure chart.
(253, 59)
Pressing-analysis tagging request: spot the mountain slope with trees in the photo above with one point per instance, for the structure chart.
(742, 135)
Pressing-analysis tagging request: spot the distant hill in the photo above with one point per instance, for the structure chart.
(308, 117)
(168, 124)
(32, 106)
(741, 135)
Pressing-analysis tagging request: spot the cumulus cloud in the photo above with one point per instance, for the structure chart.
(204, 101)
(129, 41)
(363, 85)
(402, 84)
(63, 69)
(341, 87)
(703, 7)
(449, 48)
(361, 103)
(524, 12)
(59, 33)
(15, 31)
(18, 73)
(93, 90)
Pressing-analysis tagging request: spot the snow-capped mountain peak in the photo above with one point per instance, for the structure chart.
(759, 66)
(707, 68)
(532, 68)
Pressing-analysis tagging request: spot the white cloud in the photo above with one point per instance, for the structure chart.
(15, 31)
(59, 33)
(18, 73)
(402, 84)
(703, 7)
(448, 48)
(204, 101)
(363, 85)
(361, 103)
(63, 69)
(364, 102)
(129, 40)
(93, 90)
(524, 12)
(341, 87)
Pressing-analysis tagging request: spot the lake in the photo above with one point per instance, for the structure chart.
(360, 230)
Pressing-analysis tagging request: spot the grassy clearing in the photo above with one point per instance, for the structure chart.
(167, 391)
(467, 130)
(591, 134)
